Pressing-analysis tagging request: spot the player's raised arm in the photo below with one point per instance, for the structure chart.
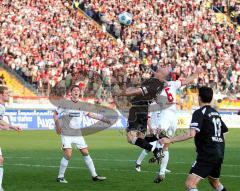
(192, 77)
(58, 128)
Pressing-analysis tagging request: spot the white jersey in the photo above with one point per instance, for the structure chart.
(72, 120)
(2, 111)
(167, 98)
(74, 117)
(154, 119)
(163, 113)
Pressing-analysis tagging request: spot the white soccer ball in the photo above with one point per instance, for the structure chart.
(125, 18)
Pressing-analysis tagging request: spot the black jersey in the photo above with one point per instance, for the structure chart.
(209, 139)
(150, 88)
(137, 118)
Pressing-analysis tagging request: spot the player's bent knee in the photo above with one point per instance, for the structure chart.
(190, 184)
(1, 160)
(130, 138)
(84, 152)
(214, 182)
(140, 135)
(68, 155)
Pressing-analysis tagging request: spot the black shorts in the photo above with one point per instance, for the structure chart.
(138, 125)
(205, 169)
(137, 121)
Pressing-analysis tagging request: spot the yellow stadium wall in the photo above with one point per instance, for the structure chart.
(15, 86)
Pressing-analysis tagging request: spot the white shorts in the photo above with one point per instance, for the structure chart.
(167, 121)
(0, 151)
(67, 142)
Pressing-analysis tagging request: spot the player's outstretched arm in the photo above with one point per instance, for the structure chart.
(188, 135)
(192, 77)
(98, 117)
(129, 92)
(58, 128)
(5, 126)
(16, 128)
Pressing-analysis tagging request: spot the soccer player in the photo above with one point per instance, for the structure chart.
(138, 113)
(67, 123)
(207, 129)
(152, 133)
(165, 117)
(4, 97)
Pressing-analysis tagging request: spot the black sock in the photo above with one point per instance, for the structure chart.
(143, 144)
(224, 189)
(151, 139)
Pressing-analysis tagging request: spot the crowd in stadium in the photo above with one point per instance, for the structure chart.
(49, 42)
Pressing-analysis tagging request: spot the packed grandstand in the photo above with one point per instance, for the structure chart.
(56, 43)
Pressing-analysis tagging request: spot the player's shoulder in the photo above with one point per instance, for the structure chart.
(200, 111)
(213, 112)
(173, 82)
(205, 110)
(176, 84)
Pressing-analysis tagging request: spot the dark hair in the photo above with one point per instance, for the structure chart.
(206, 94)
(2, 89)
(74, 86)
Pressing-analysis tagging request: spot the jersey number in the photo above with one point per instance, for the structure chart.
(169, 95)
(217, 126)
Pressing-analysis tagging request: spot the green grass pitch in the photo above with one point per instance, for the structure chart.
(32, 160)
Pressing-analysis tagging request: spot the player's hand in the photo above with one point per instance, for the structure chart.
(165, 140)
(151, 131)
(59, 130)
(16, 128)
(158, 131)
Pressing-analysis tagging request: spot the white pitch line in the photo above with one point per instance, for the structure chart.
(113, 160)
(103, 169)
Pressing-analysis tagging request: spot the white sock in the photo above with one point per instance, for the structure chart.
(220, 187)
(63, 167)
(89, 162)
(164, 163)
(1, 175)
(193, 189)
(143, 154)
